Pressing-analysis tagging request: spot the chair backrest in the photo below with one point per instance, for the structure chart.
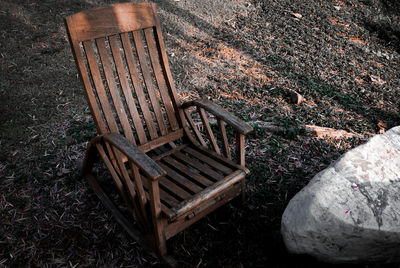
(120, 54)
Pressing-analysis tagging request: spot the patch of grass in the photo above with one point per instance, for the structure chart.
(292, 128)
(241, 54)
(322, 91)
(81, 132)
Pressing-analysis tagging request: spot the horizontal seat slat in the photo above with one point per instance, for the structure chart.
(181, 223)
(223, 168)
(199, 166)
(181, 179)
(184, 169)
(209, 193)
(181, 193)
(219, 158)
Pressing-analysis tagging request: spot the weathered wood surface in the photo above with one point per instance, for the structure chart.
(105, 21)
(209, 192)
(216, 110)
(209, 132)
(225, 143)
(161, 140)
(157, 156)
(151, 168)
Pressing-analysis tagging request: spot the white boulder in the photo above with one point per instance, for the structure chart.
(350, 212)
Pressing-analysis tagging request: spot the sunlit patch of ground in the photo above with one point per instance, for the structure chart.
(341, 56)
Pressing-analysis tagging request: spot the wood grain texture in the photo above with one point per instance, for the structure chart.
(240, 153)
(141, 98)
(130, 91)
(172, 187)
(155, 206)
(150, 168)
(181, 180)
(185, 170)
(216, 110)
(130, 102)
(98, 83)
(105, 21)
(148, 80)
(131, 189)
(181, 222)
(113, 89)
(205, 169)
(209, 132)
(161, 140)
(225, 144)
(167, 200)
(210, 161)
(140, 190)
(194, 128)
(158, 73)
(115, 176)
(209, 192)
(166, 153)
(221, 159)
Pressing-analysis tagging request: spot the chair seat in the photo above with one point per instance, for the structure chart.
(190, 172)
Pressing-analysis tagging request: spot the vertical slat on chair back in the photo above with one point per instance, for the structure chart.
(121, 58)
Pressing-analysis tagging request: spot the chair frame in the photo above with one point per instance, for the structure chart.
(137, 176)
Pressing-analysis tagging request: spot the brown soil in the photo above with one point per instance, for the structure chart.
(341, 56)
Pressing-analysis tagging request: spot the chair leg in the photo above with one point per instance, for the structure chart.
(159, 246)
(161, 242)
(127, 224)
(241, 198)
(155, 203)
(243, 182)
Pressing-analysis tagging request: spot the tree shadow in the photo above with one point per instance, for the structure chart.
(37, 55)
(313, 87)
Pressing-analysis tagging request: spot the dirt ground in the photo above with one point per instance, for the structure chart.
(341, 56)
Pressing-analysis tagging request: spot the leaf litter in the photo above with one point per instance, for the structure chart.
(248, 56)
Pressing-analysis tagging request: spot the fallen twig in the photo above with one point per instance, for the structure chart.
(317, 131)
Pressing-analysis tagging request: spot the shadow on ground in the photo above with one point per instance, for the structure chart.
(244, 57)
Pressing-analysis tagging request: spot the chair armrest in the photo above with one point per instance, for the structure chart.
(150, 168)
(239, 125)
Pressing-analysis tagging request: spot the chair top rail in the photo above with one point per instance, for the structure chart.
(115, 19)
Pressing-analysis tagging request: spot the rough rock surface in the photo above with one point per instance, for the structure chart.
(350, 212)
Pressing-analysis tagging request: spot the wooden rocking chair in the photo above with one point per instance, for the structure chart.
(164, 158)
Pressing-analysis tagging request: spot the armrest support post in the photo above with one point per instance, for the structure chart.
(145, 163)
(239, 125)
(240, 145)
